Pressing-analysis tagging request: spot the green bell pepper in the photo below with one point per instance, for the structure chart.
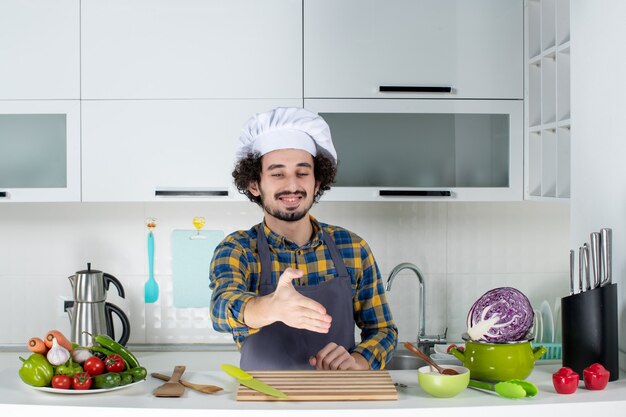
(36, 370)
(69, 369)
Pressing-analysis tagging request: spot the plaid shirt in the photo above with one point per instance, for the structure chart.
(235, 277)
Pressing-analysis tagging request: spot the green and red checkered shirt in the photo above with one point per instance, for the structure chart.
(235, 277)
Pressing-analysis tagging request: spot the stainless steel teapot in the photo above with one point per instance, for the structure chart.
(89, 312)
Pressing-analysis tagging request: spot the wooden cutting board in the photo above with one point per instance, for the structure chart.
(323, 386)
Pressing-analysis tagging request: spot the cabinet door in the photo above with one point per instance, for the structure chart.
(39, 49)
(352, 47)
(149, 150)
(437, 150)
(39, 150)
(139, 49)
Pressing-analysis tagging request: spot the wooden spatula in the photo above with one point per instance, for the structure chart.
(207, 389)
(172, 388)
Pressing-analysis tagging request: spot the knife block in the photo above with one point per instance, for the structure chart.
(589, 329)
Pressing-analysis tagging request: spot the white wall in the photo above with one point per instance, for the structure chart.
(464, 249)
(598, 65)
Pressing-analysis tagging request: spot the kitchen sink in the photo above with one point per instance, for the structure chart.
(404, 359)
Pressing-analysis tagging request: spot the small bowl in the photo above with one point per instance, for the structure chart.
(443, 386)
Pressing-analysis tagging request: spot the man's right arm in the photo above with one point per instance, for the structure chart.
(236, 309)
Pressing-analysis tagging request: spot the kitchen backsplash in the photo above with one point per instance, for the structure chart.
(463, 249)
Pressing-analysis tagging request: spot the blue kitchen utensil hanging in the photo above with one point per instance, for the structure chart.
(151, 288)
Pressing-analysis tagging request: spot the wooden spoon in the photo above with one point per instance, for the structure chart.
(207, 389)
(443, 371)
(172, 388)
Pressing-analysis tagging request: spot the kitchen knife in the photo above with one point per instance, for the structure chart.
(248, 380)
(571, 272)
(586, 266)
(606, 249)
(595, 260)
(581, 269)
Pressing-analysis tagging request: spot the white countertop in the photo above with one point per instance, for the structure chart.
(17, 398)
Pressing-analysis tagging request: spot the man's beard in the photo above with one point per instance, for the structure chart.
(288, 216)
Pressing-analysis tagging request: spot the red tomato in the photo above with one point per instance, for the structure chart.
(61, 381)
(114, 363)
(81, 380)
(596, 376)
(94, 366)
(565, 381)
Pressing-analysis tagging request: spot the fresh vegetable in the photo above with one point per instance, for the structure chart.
(101, 351)
(61, 381)
(82, 381)
(70, 369)
(114, 363)
(80, 354)
(36, 370)
(112, 345)
(126, 378)
(57, 355)
(37, 345)
(94, 366)
(565, 381)
(108, 380)
(139, 373)
(61, 340)
(596, 377)
(502, 314)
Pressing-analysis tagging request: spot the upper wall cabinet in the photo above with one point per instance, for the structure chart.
(414, 48)
(39, 49)
(186, 49)
(39, 150)
(156, 150)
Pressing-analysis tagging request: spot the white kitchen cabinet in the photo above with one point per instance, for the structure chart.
(352, 48)
(158, 150)
(39, 150)
(188, 49)
(39, 49)
(425, 150)
(548, 120)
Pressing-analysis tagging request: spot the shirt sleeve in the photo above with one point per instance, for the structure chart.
(229, 282)
(379, 334)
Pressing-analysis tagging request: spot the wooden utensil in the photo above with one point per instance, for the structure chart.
(207, 389)
(172, 388)
(444, 371)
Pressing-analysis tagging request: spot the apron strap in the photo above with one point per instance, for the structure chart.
(266, 260)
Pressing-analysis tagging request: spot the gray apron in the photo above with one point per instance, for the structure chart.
(278, 346)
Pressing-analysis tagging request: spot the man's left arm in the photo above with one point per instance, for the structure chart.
(379, 334)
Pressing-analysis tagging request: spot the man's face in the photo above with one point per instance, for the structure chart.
(287, 187)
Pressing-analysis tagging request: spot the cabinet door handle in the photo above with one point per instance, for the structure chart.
(414, 193)
(191, 193)
(413, 89)
(3, 194)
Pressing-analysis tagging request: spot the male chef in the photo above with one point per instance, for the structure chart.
(291, 289)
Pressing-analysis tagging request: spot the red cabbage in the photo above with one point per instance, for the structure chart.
(507, 315)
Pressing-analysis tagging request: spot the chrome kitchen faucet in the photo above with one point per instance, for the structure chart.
(424, 342)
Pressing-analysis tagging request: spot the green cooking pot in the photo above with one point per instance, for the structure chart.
(499, 361)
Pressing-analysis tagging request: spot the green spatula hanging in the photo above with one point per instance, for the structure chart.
(151, 288)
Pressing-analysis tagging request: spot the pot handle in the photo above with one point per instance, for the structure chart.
(539, 351)
(460, 355)
(109, 309)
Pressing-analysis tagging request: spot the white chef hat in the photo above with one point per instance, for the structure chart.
(286, 128)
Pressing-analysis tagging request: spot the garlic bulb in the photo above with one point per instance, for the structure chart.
(57, 355)
(80, 355)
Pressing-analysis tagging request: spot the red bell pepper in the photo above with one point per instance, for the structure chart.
(565, 381)
(596, 377)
